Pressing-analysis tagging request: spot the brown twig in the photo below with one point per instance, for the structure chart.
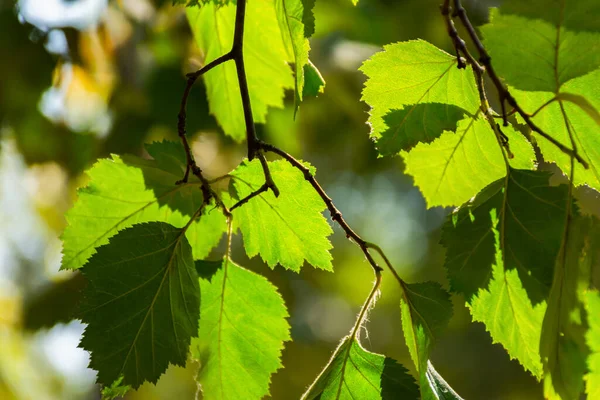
(237, 55)
(256, 147)
(478, 71)
(243, 201)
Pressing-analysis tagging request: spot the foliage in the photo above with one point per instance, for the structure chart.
(520, 250)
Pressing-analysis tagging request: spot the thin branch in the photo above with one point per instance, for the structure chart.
(504, 94)
(182, 116)
(540, 108)
(478, 71)
(246, 199)
(238, 56)
(256, 148)
(237, 51)
(268, 178)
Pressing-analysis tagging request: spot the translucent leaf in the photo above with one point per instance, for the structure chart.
(456, 166)
(407, 74)
(265, 59)
(291, 15)
(573, 15)
(563, 349)
(241, 335)
(532, 216)
(508, 314)
(426, 309)
(592, 337)
(502, 250)
(560, 117)
(355, 373)
(127, 190)
(289, 229)
(141, 304)
(542, 55)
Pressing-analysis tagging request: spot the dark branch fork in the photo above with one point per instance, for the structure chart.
(256, 147)
(484, 65)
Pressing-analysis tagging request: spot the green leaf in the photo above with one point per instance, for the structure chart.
(420, 123)
(355, 373)
(426, 309)
(508, 314)
(141, 304)
(592, 337)
(416, 72)
(502, 250)
(563, 349)
(583, 103)
(289, 229)
(241, 335)
(456, 166)
(573, 15)
(291, 16)
(127, 190)
(314, 84)
(532, 222)
(542, 55)
(560, 117)
(265, 54)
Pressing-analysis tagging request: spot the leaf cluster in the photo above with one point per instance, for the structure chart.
(520, 249)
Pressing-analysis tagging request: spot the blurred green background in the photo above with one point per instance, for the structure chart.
(81, 79)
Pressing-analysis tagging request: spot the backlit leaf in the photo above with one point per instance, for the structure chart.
(355, 373)
(456, 166)
(290, 15)
(126, 190)
(531, 215)
(410, 73)
(560, 117)
(542, 55)
(286, 230)
(592, 337)
(563, 347)
(426, 309)
(243, 327)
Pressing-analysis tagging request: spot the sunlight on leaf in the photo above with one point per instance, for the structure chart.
(426, 310)
(126, 190)
(288, 229)
(243, 327)
(456, 166)
(415, 72)
(355, 373)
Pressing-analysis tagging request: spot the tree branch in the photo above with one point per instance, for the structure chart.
(237, 55)
(243, 201)
(256, 148)
(503, 93)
